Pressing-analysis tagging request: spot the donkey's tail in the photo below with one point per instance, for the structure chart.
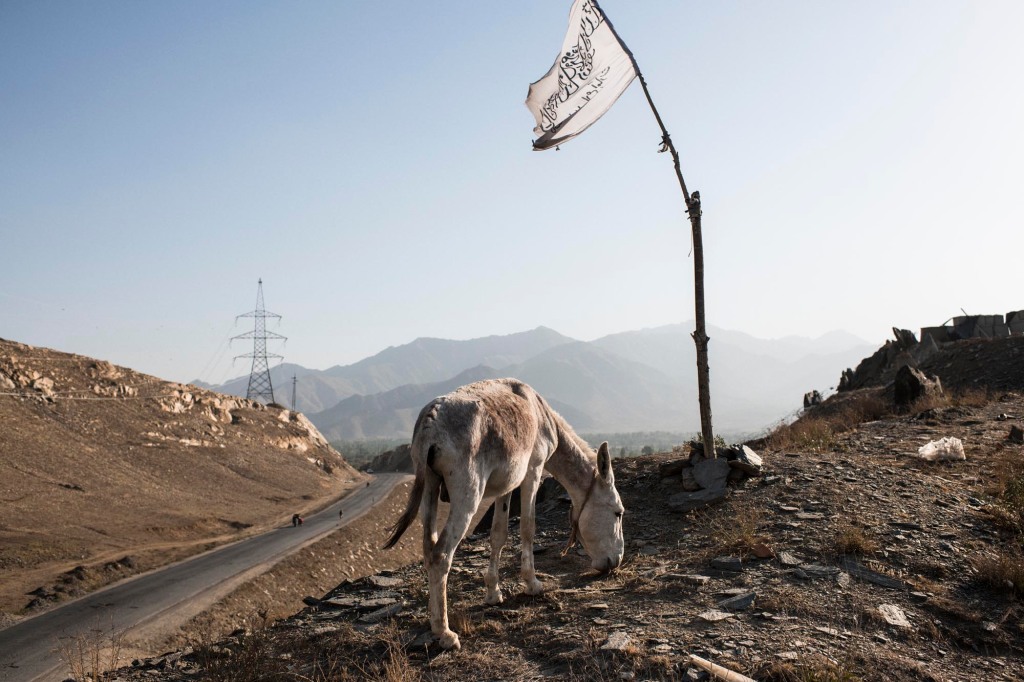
(412, 506)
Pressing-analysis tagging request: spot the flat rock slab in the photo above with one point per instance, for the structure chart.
(866, 574)
(727, 563)
(380, 614)
(893, 615)
(617, 641)
(341, 602)
(740, 602)
(376, 603)
(385, 581)
(747, 461)
(695, 579)
(714, 616)
(688, 501)
(814, 571)
(711, 474)
(788, 559)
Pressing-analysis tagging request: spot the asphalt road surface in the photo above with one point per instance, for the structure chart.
(28, 649)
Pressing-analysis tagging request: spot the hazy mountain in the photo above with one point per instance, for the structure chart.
(634, 381)
(393, 413)
(423, 361)
(660, 346)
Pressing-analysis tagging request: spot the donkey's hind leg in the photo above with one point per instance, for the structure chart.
(460, 517)
(499, 534)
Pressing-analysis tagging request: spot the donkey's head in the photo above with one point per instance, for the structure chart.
(600, 517)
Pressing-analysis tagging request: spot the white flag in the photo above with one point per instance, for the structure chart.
(584, 82)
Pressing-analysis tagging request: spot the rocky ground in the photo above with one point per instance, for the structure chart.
(850, 558)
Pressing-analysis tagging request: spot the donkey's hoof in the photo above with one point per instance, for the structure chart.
(449, 640)
(493, 598)
(534, 587)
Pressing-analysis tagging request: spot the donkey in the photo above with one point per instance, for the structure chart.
(484, 440)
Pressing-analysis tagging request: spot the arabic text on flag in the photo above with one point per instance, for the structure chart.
(593, 70)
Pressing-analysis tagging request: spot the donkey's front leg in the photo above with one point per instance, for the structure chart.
(527, 528)
(459, 519)
(499, 534)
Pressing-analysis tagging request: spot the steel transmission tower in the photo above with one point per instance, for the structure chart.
(260, 386)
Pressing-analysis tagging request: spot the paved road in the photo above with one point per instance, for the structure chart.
(28, 648)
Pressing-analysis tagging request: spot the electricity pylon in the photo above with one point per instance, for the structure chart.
(260, 386)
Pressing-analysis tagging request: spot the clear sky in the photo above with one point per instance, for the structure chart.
(860, 164)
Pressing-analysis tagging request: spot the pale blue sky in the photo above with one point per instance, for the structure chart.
(860, 163)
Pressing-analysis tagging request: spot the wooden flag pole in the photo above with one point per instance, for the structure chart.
(700, 334)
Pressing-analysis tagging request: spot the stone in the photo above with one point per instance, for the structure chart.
(696, 579)
(380, 614)
(710, 474)
(812, 398)
(788, 559)
(814, 571)
(911, 384)
(687, 480)
(1016, 434)
(727, 563)
(688, 501)
(385, 581)
(310, 601)
(866, 574)
(740, 602)
(672, 468)
(714, 616)
(893, 615)
(376, 602)
(747, 461)
(617, 641)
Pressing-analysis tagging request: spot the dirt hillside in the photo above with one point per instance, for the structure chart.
(106, 472)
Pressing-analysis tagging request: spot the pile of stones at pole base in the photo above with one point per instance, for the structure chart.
(706, 480)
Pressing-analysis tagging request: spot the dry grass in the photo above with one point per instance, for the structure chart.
(810, 669)
(790, 601)
(817, 430)
(807, 434)
(954, 608)
(1003, 571)
(92, 654)
(396, 666)
(247, 658)
(852, 540)
(733, 531)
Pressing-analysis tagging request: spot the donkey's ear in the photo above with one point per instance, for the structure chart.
(604, 464)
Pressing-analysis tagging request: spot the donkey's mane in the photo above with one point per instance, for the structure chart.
(573, 454)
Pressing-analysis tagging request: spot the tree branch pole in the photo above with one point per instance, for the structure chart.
(700, 334)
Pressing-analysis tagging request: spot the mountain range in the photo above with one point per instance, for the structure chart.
(641, 380)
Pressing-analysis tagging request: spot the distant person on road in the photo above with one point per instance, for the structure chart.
(296, 520)
(341, 512)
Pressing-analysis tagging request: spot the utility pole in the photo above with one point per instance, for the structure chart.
(260, 386)
(295, 382)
